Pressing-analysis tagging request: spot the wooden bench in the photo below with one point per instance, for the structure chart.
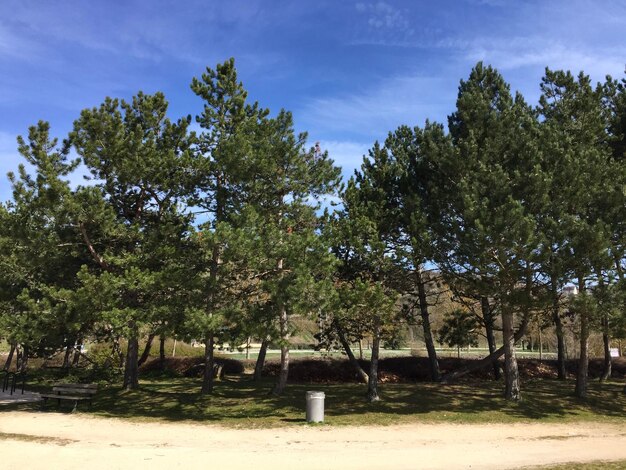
(71, 392)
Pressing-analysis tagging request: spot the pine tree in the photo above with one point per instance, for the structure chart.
(130, 220)
(575, 146)
(488, 230)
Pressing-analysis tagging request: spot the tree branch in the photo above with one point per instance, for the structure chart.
(99, 259)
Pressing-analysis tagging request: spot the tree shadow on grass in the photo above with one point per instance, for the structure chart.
(241, 402)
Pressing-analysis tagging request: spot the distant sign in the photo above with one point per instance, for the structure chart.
(614, 352)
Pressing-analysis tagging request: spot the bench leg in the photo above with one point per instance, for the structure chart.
(75, 406)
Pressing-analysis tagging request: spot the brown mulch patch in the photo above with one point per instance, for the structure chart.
(391, 370)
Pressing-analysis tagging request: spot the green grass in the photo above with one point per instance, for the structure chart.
(598, 465)
(39, 439)
(238, 402)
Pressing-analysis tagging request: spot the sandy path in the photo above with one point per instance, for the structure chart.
(73, 441)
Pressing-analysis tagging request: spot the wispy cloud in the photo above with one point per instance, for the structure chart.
(520, 52)
(385, 24)
(381, 108)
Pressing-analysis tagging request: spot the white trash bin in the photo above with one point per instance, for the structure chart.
(315, 407)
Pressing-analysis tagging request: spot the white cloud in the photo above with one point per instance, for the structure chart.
(347, 154)
(373, 112)
(515, 53)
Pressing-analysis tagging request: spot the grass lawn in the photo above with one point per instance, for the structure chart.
(238, 402)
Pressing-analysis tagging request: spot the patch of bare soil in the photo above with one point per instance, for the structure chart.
(98, 443)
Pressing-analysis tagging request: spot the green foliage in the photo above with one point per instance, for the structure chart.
(459, 329)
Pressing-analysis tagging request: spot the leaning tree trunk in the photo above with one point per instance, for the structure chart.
(209, 363)
(583, 360)
(511, 372)
(486, 361)
(146, 350)
(284, 353)
(260, 360)
(491, 337)
(7, 363)
(433, 364)
(361, 374)
(131, 369)
(372, 383)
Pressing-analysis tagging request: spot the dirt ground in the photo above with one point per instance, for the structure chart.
(70, 441)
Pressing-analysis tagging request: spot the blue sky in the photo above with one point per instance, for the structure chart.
(350, 71)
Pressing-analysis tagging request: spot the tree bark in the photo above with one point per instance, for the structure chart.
(486, 361)
(18, 358)
(209, 363)
(511, 372)
(131, 370)
(284, 353)
(7, 363)
(583, 360)
(372, 383)
(146, 350)
(260, 360)
(560, 345)
(66, 357)
(361, 374)
(608, 361)
(435, 375)
(77, 353)
(24, 360)
(162, 352)
(558, 325)
(491, 338)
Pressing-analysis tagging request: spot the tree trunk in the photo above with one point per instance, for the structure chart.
(19, 357)
(284, 353)
(491, 337)
(79, 346)
(540, 345)
(433, 364)
(260, 360)
(608, 361)
(606, 371)
(7, 363)
(209, 363)
(146, 350)
(162, 352)
(583, 360)
(131, 370)
(511, 373)
(486, 361)
(361, 374)
(560, 335)
(24, 360)
(372, 383)
(66, 357)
